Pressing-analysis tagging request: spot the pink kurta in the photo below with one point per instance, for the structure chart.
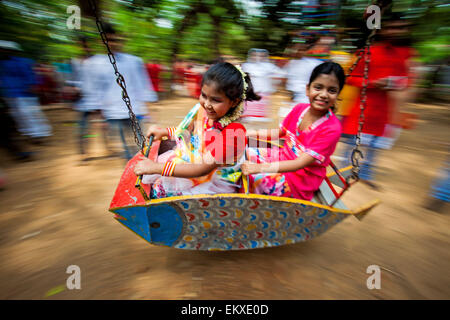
(319, 141)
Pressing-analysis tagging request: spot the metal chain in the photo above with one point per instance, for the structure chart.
(360, 55)
(137, 131)
(356, 152)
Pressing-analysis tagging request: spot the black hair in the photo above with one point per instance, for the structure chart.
(329, 68)
(108, 28)
(228, 79)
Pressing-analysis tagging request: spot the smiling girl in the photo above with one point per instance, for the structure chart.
(210, 142)
(311, 133)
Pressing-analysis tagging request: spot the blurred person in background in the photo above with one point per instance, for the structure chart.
(18, 85)
(155, 70)
(299, 70)
(322, 47)
(83, 86)
(262, 72)
(76, 64)
(9, 140)
(344, 54)
(440, 189)
(47, 87)
(194, 75)
(9, 135)
(178, 74)
(389, 70)
(108, 94)
(63, 76)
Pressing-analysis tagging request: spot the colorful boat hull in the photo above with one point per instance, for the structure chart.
(222, 221)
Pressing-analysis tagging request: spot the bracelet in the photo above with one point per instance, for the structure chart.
(171, 132)
(168, 169)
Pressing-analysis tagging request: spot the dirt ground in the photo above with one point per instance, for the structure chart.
(55, 214)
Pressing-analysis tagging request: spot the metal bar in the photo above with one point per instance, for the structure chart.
(139, 179)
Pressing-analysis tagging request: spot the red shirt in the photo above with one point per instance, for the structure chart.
(386, 61)
(153, 71)
(226, 145)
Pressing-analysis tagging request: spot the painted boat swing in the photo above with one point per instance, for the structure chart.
(234, 221)
(228, 221)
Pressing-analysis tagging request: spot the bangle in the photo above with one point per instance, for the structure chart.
(171, 132)
(168, 169)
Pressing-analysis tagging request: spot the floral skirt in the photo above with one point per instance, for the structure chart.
(163, 186)
(273, 184)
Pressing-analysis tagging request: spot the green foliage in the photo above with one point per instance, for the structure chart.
(201, 29)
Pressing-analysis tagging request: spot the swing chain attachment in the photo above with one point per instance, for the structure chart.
(137, 131)
(356, 152)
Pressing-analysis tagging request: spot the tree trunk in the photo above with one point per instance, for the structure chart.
(217, 33)
(86, 9)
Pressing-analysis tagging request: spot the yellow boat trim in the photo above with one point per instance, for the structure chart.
(250, 196)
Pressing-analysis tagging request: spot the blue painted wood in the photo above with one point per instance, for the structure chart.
(136, 220)
(166, 224)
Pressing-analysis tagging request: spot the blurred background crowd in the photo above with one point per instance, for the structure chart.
(163, 48)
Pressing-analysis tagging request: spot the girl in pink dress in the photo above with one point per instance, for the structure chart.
(311, 132)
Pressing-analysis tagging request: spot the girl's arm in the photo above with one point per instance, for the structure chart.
(182, 170)
(157, 132)
(266, 134)
(301, 162)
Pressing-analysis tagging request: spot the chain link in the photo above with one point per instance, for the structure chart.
(356, 152)
(137, 131)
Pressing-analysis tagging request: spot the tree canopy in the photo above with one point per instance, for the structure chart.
(203, 29)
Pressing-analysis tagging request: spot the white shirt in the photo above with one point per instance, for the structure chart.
(75, 77)
(84, 75)
(298, 74)
(103, 90)
(261, 74)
